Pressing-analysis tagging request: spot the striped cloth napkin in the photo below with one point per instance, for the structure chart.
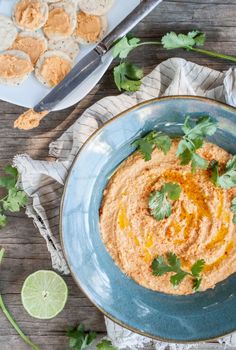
(43, 180)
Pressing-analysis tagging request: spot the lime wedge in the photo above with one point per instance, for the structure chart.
(44, 294)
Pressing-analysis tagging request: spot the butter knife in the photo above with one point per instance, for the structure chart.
(93, 59)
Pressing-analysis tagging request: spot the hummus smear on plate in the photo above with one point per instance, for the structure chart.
(200, 225)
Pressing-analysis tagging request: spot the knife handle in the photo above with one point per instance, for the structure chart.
(141, 11)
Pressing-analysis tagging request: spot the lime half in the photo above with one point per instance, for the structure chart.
(44, 294)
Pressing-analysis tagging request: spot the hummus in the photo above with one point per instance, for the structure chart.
(58, 23)
(12, 67)
(28, 14)
(33, 46)
(89, 27)
(29, 120)
(200, 226)
(54, 69)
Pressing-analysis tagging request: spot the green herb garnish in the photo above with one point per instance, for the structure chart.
(128, 76)
(159, 205)
(161, 265)
(233, 209)
(26, 339)
(14, 199)
(227, 178)
(193, 139)
(106, 345)
(154, 139)
(80, 339)
(190, 42)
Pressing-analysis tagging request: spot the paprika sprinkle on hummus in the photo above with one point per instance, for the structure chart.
(90, 28)
(30, 14)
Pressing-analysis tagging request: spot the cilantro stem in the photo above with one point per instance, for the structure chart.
(16, 327)
(149, 43)
(213, 54)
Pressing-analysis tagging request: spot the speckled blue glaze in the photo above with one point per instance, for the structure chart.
(191, 318)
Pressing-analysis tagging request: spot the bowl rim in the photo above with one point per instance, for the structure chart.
(91, 137)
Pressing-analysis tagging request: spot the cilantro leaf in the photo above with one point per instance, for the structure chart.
(80, 339)
(196, 283)
(193, 139)
(184, 41)
(15, 200)
(197, 267)
(233, 209)
(106, 345)
(178, 278)
(173, 190)
(2, 251)
(9, 181)
(161, 265)
(226, 179)
(159, 205)
(124, 46)
(128, 77)
(153, 139)
(3, 220)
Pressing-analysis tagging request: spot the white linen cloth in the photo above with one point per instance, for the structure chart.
(43, 180)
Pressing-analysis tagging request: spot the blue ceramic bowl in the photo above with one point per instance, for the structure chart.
(196, 317)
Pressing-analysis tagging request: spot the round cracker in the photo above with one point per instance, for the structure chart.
(98, 7)
(35, 35)
(43, 10)
(15, 81)
(104, 25)
(71, 11)
(8, 32)
(41, 61)
(67, 45)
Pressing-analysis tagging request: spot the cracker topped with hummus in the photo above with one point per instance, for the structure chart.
(30, 14)
(90, 28)
(168, 213)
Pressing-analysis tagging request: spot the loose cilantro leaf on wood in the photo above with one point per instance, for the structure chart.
(128, 76)
(14, 199)
(124, 46)
(159, 205)
(193, 139)
(161, 265)
(233, 209)
(227, 178)
(80, 339)
(183, 41)
(153, 139)
(106, 345)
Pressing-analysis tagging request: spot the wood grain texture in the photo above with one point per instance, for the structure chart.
(26, 250)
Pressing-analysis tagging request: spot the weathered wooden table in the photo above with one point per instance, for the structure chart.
(25, 248)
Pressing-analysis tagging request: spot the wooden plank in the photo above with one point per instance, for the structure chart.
(26, 250)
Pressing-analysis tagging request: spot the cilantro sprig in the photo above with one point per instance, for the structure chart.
(121, 49)
(11, 320)
(106, 345)
(194, 134)
(159, 205)
(152, 140)
(79, 338)
(233, 209)
(14, 198)
(171, 263)
(227, 178)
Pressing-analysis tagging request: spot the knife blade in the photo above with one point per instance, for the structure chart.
(93, 59)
